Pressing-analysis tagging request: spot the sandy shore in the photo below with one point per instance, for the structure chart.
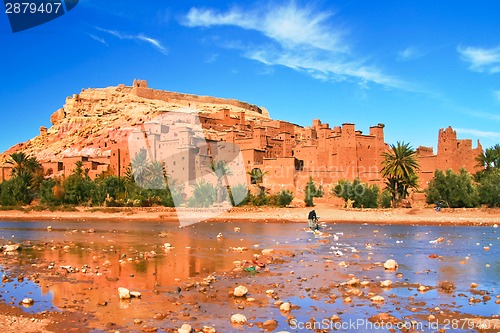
(420, 216)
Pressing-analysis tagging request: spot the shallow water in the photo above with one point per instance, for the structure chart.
(197, 252)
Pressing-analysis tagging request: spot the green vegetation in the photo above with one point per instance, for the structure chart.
(399, 169)
(282, 198)
(452, 190)
(358, 194)
(311, 192)
(466, 190)
(27, 176)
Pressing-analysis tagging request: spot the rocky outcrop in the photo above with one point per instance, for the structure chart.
(92, 121)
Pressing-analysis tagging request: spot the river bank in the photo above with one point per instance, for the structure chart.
(327, 213)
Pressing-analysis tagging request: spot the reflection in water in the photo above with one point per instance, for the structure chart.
(98, 257)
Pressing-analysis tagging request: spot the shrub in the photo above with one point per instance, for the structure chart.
(489, 188)
(51, 192)
(362, 195)
(239, 195)
(260, 199)
(311, 192)
(452, 190)
(385, 199)
(283, 198)
(204, 195)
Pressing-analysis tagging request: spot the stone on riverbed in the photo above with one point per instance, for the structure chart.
(238, 319)
(391, 265)
(27, 301)
(124, 293)
(185, 328)
(240, 291)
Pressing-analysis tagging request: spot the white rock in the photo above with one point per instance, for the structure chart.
(270, 292)
(185, 328)
(391, 265)
(285, 307)
(135, 294)
(377, 299)
(238, 319)
(124, 293)
(208, 329)
(386, 283)
(240, 291)
(267, 252)
(28, 301)
(11, 247)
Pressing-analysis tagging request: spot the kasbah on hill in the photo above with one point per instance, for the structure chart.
(95, 127)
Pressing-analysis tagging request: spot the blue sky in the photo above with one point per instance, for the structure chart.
(416, 66)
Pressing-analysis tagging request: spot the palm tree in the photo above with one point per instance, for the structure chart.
(490, 158)
(139, 167)
(22, 163)
(256, 176)
(400, 168)
(221, 170)
(156, 175)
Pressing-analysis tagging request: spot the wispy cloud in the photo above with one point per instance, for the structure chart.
(496, 94)
(98, 39)
(301, 38)
(140, 37)
(410, 53)
(480, 59)
(479, 133)
(211, 58)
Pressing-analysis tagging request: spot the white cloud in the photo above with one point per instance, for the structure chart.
(479, 133)
(304, 40)
(481, 60)
(153, 42)
(410, 53)
(98, 39)
(496, 94)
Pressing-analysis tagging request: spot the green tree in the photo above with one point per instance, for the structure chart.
(27, 175)
(204, 195)
(139, 167)
(222, 171)
(239, 195)
(51, 192)
(400, 168)
(452, 190)
(256, 176)
(283, 198)
(490, 158)
(312, 191)
(362, 195)
(78, 188)
(489, 188)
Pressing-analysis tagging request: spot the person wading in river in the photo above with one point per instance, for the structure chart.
(313, 220)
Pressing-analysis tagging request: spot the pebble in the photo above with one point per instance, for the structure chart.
(386, 283)
(377, 299)
(391, 265)
(124, 293)
(285, 307)
(238, 319)
(270, 325)
(240, 291)
(28, 301)
(185, 328)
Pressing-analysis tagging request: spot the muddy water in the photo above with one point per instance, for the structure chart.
(99, 257)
